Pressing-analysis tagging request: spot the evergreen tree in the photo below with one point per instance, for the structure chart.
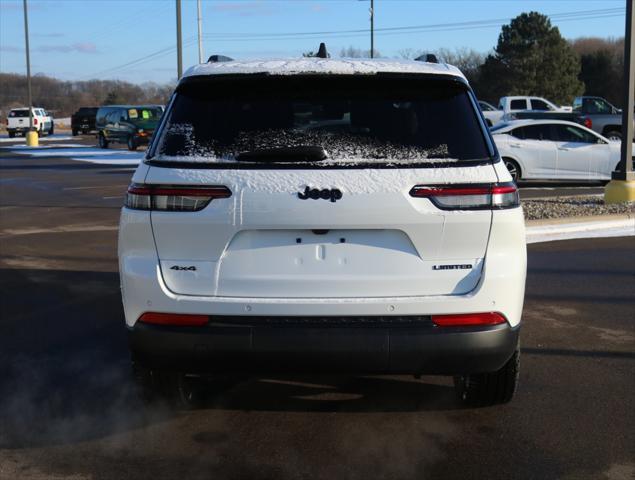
(532, 58)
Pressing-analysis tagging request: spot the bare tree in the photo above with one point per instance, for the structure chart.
(63, 97)
(354, 52)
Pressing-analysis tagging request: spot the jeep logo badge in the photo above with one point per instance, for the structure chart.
(332, 194)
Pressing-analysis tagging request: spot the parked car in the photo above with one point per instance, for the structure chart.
(512, 104)
(132, 125)
(83, 120)
(555, 149)
(491, 114)
(302, 216)
(18, 121)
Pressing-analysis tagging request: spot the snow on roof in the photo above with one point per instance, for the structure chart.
(312, 65)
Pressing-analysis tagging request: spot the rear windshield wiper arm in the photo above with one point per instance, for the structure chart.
(307, 153)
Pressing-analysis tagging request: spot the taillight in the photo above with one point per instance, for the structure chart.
(176, 319)
(34, 120)
(172, 198)
(588, 123)
(469, 196)
(468, 319)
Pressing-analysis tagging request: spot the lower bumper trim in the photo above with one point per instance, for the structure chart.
(253, 348)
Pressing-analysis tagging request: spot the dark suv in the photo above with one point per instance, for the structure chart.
(83, 120)
(129, 124)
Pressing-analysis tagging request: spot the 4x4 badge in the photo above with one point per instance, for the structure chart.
(191, 268)
(332, 194)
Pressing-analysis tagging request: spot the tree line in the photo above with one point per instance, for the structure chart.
(63, 98)
(530, 58)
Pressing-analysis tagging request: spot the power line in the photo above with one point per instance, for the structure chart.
(385, 34)
(385, 31)
(415, 28)
(141, 60)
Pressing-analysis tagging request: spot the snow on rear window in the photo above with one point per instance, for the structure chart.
(352, 125)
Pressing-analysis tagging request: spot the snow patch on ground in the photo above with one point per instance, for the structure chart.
(121, 158)
(48, 138)
(83, 154)
(570, 231)
(25, 149)
(79, 151)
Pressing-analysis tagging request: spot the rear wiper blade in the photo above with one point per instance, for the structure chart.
(305, 153)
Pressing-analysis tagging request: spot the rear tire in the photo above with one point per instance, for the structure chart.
(486, 389)
(52, 129)
(513, 168)
(75, 133)
(103, 143)
(614, 136)
(132, 144)
(11, 134)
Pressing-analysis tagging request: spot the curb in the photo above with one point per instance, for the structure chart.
(600, 226)
(580, 219)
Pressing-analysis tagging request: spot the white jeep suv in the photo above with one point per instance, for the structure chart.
(324, 215)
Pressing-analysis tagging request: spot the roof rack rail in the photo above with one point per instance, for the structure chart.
(219, 58)
(322, 53)
(428, 57)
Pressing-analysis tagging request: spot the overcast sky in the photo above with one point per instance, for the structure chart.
(135, 40)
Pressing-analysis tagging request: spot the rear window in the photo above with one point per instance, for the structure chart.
(143, 114)
(518, 105)
(533, 132)
(19, 113)
(539, 105)
(87, 111)
(353, 120)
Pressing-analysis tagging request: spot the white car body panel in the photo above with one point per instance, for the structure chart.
(499, 254)
(503, 271)
(554, 160)
(491, 114)
(395, 257)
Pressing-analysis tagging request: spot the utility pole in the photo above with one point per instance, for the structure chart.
(200, 31)
(621, 188)
(372, 28)
(28, 65)
(179, 43)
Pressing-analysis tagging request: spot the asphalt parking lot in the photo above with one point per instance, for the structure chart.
(69, 410)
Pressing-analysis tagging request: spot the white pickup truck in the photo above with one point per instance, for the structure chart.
(510, 105)
(18, 121)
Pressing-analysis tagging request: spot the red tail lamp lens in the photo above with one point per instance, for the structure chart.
(468, 319)
(168, 198)
(469, 197)
(176, 319)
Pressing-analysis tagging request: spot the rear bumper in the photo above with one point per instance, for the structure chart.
(142, 140)
(251, 346)
(82, 126)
